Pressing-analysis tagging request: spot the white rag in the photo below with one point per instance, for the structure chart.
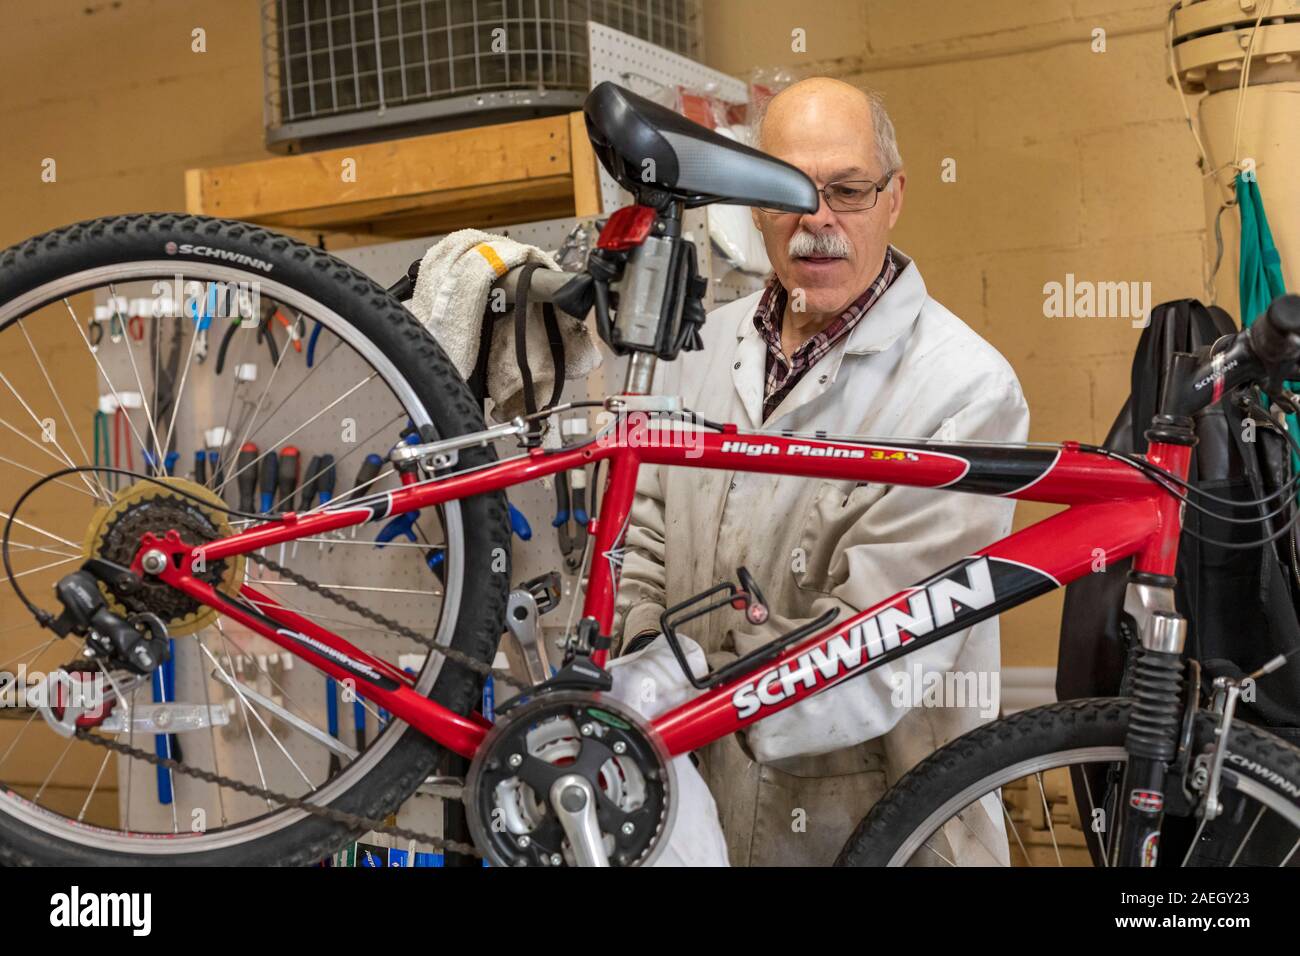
(651, 682)
(454, 289)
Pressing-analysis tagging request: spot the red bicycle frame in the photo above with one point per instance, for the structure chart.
(1112, 507)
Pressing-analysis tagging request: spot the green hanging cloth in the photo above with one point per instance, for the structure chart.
(1260, 277)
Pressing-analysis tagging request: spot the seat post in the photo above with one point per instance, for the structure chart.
(640, 373)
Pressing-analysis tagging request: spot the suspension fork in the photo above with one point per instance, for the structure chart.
(1156, 723)
(1155, 726)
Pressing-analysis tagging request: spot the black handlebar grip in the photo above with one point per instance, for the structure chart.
(1275, 335)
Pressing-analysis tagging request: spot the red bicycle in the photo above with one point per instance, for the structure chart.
(564, 774)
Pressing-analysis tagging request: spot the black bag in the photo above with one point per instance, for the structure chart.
(1240, 604)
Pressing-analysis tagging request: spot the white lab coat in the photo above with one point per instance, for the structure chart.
(791, 788)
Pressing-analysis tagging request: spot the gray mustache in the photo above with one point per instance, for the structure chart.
(826, 245)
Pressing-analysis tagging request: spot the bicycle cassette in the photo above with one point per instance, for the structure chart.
(570, 778)
(115, 531)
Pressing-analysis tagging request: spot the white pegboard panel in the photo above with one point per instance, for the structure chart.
(647, 69)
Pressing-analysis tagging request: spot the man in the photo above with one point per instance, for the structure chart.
(844, 339)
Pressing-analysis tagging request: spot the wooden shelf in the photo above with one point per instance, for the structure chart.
(482, 177)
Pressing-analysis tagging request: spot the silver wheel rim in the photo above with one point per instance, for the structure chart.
(1060, 760)
(99, 838)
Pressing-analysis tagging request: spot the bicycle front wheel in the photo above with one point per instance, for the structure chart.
(186, 333)
(1005, 794)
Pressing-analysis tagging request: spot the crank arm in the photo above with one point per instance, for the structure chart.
(574, 803)
(521, 622)
(293, 720)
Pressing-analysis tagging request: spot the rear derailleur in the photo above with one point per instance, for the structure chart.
(136, 643)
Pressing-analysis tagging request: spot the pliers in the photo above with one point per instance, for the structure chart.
(262, 333)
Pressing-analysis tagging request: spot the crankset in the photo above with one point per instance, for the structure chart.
(570, 778)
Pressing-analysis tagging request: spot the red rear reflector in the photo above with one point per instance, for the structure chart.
(627, 228)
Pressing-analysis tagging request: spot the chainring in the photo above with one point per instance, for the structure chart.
(561, 733)
(115, 532)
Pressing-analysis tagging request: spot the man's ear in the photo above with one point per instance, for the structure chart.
(753, 217)
(896, 186)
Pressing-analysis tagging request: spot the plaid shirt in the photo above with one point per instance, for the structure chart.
(783, 374)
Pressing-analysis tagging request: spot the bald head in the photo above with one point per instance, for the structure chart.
(822, 103)
(840, 136)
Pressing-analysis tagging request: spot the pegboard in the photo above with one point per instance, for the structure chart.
(367, 418)
(646, 69)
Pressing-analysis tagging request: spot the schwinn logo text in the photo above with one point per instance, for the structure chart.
(936, 605)
(212, 252)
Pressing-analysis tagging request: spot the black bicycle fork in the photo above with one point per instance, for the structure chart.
(1155, 727)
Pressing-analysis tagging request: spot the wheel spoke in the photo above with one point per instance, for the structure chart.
(90, 795)
(280, 443)
(62, 461)
(159, 456)
(212, 731)
(1246, 839)
(40, 427)
(257, 408)
(1092, 808)
(1029, 860)
(364, 443)
(185, 374)
(243, 708)
(43, 567)
(235, 686)
(31, 527)
(58, 400)
(1047, 811)
(102, 371)
(57, 481)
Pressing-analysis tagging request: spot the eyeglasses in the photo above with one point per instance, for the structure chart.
(848, 195)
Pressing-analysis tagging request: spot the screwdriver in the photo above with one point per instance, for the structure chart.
(365, 475)
(308, 492)
(247, 476)
(270, 472)
(289, 461)
(309, 483)
(201, 467)
(325, 488)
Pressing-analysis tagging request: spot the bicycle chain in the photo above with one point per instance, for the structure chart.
(459, 657)
(351, 820)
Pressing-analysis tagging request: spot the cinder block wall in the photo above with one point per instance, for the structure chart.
(1067, 161)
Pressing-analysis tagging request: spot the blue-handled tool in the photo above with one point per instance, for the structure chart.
(332, 719)
(403, 526)
(359, 722)
(270, 476)
(311, 343)
(169, 461)
(165, 745)
(519, 524)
